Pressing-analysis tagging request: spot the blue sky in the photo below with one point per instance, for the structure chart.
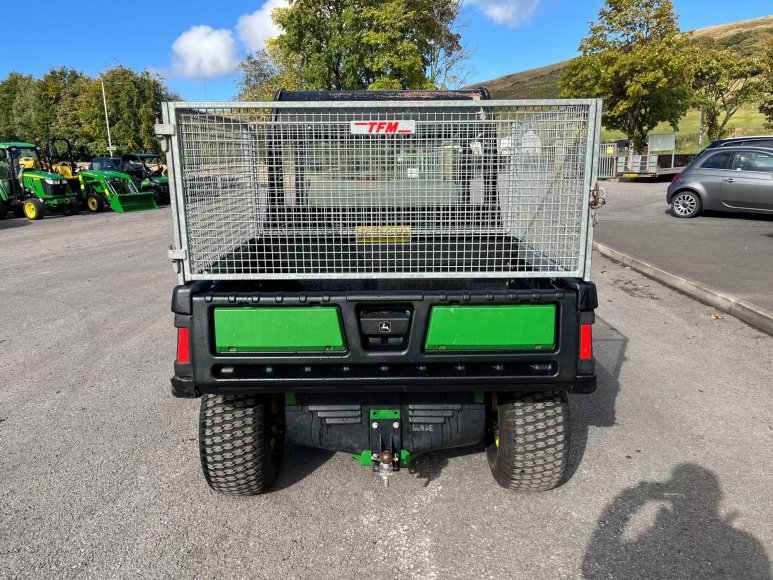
(195, 45)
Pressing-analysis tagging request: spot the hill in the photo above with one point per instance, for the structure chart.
(746, 37)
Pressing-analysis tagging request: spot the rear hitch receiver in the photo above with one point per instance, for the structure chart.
(386, 465)
(386, 440)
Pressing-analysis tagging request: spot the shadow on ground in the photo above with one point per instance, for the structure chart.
(8, 223)
(428, 467)
(298, 463)
(673, 529)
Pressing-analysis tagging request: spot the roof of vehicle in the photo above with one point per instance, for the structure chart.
(740, 148)
(141, 155)
(18, 144)
(722, 142)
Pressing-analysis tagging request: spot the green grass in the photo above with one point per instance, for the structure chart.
(747, 121)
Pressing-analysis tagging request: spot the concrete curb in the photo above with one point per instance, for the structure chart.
(746, 311)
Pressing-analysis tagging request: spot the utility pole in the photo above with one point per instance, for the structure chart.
(110, 148)
(700, 132)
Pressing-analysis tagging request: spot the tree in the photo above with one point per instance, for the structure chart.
(635, 58)
(766, 104)
(133, 105)
(263, 72)
(370, 44)
(10, 89)
(723, 83)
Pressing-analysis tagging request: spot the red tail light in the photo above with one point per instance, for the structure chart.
(183, 346)
(586, 342)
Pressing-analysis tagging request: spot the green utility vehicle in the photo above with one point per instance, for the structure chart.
(147, 180)
(95, 188)
(383, 274)
(29, 190)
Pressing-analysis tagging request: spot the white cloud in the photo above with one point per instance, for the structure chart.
(255, 28)
(203, 52)
(511, 13)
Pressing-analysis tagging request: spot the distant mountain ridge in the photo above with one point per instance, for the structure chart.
(747, 37)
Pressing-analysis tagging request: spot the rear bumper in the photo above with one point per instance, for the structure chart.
(362, 368)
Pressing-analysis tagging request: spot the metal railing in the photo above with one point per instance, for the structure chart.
(382, 189)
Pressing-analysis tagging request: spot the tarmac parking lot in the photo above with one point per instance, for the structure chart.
(99, 472)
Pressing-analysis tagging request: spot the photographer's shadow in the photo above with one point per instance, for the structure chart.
(687, 539)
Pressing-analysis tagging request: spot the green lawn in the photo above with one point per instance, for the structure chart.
(747, 121)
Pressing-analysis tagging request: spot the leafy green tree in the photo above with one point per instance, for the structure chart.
(10, 88)
(264, 71)
(133, 105)
(635, 58)
(53, 102)
(724, 82)
(370, 44)
(766, 82)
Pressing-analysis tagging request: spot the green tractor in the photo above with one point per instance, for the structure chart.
(27, 187)
(147, 180)
(98, 188)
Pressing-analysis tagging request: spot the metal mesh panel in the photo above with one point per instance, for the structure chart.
(383, 189)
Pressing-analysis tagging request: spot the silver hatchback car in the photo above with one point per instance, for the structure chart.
(738, 179)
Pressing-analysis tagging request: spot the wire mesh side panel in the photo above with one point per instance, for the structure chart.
(384, 189)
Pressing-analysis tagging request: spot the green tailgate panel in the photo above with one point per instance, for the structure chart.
(278, 329)
(521, 327)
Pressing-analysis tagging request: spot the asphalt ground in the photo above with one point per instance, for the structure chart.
(730, 252)
(100, 476)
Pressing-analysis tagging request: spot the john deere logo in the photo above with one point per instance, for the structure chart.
(385, 326)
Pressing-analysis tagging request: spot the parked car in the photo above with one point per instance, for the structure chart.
(736, 179)
(756, 141)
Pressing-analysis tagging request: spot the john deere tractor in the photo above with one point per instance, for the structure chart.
(97, 188)
(147, 180)
(28, 188)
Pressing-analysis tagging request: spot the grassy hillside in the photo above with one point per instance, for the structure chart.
(746, 37)
(747, 121)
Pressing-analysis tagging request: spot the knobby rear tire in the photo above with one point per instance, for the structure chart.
(533, 447)
(238, 456)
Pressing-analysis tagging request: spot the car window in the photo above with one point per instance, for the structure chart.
(753, 161)
(760, 143)
(718, 161)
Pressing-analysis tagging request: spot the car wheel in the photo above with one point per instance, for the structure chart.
(685, 204)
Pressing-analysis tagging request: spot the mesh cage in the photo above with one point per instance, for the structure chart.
(391, 189)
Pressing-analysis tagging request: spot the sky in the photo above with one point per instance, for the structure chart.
(196, 45)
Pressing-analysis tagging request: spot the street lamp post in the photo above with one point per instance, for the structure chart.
(110, 148)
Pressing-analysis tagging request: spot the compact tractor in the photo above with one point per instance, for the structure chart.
(28, 187)
(97, 188)
(147, 180)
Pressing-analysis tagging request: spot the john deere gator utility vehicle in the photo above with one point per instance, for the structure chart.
(383, 274)
(27, 187)
(147, 180)
(97, 189)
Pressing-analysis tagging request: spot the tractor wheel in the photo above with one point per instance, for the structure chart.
(33, 208)
(95, 203)
(3, 208)
(241, 440)
(528, 440)
(157, 197)
(71, 208)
